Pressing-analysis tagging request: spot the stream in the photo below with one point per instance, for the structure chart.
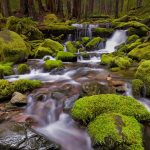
(50, 105)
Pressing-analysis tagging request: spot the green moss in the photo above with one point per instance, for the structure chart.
(127, 18)
(43, 51)
(87, 108)
(137, 87)
(147, 85)
(25, 26)
(85, 40)
(107, 59)
(13, 48)
(71, 47)
(66, 57)
(85, 55)
(51, 64)
(23, 68)
(6, 69)
(115, 131)
(123, 62)
(6, 89)
(50, 18)
(134, 45)
(140, 52)
(25, 85)
(103, 32)
(123, 48)
(93, 43)
(132, 38)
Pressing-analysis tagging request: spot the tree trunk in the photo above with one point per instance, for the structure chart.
(69, 9)
(51, 5)
(76, 13)
(116, 8)
(5, 7)
(41, 8)
(60, 11)
(31, 9)
(24, 7)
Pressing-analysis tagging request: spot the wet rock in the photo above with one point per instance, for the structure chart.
(120, 89)
(117, 83)
(18, 136)
(58, 95)
(18, 99)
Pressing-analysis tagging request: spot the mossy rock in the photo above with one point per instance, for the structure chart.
(103, 32)
(133, 45)
(71, 47)
(6, 89)
(127, 18)
(137, 87)
(6, 69)
(93, 44)
(115, 131)
(50, 18)
(140, 52)
(13, 47)
(66, 57)
(87, 108)
(85, 55)
(51, 64)
(23, 68)
(85, 40)
(24, 26)
(132, 38)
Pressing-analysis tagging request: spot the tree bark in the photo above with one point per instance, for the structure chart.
(31, 9)
(76, 13)
(116, 8)
(5, 7)
(24, 7)
(40, 5)
(60, 11)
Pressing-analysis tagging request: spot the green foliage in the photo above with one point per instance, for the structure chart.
(25, 85)
(140, 52)
(51, 64)
(13, 48)
(132, 38)
(71, 47)
(6, 89)
(66, 56)
(6, 68)
(85, 40)
(137, 87)
(103, 32)
(87, 108)
(115, 131)
(23, 68)
(25, 26)
(93, 43)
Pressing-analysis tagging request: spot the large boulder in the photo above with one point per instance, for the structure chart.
(18, 99)
(13, 47)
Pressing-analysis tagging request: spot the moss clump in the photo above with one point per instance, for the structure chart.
(115, 131)
(66, 57)
(93, 43)
(6, 69)
(24, 26)
(103, 32)
(127, 18)
(23, 68)
(134, 45)
(71, 47)
(137, 87)
(140, 52)
(13, 47)
(132, 38)
(85, 40)
(25, 85)
(85, 55)
(50, 18)
(6, 89)
(51, 64)
(87, 108)
(115, 61)
(43, 51)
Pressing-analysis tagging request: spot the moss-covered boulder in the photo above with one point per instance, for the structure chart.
(137, 87)
(13, 47)
(23, 68)
(87, 108)
(85, 40)
(116, 131)
(51, 64)
(71, 47)
(6, 89)
(6, 69)
(66, 57)
(140, 52)
(103, 32)
(132, 39)
(93, 44)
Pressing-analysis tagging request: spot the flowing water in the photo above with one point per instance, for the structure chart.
(49, 113)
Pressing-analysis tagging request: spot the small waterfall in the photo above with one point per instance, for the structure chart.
(90, 27)
(119, 37)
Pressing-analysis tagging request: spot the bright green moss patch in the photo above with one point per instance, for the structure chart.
(66, 57)
(24, 85)
(51, 64)
(71, 47)
(50, 18)
(23, 68)
(6, 69)
(13, 47)
(115, 131)
(137, 87)
(43, 51)
(103, 32)
(132, 39)
(87, 108)
(85, 40)
(140, 52)
(93, 43)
